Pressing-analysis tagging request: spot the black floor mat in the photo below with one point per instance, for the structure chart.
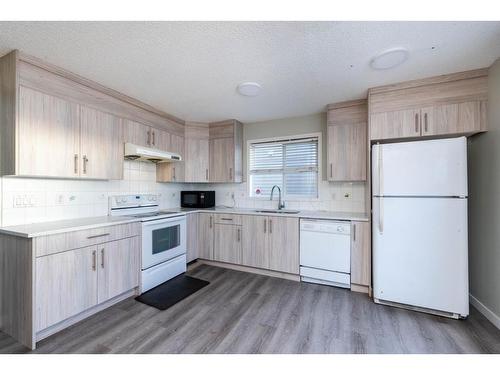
(172, 291)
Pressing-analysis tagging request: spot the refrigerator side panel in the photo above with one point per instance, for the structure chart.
(423, 168)
(420, 252)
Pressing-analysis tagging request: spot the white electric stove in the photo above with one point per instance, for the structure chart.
(163, 237)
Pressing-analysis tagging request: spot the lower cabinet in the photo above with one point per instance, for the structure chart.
(66, 285)
(255, 244)
(227, 243)
(70, 282)
(206, 236)
(360, 253)
(284, 244)
(118, 267)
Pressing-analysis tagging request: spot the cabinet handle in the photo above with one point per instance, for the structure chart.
(76, 163)
(98, 235)
(149, 138)
(85, 161)
(425, 122)
(331, 170)
(154, 141)
(265, 225)
(94, 260)
(210, 222)
(102, 258)
(354, 232)
(231, 174)
(416, 122)
(270, 226)
(239, 235)
(206, 174)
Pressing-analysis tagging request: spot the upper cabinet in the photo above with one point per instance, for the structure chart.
(226, 151)
(346, 133)
(453, 104)
(58, 124)
(48, 136)
(196, 159)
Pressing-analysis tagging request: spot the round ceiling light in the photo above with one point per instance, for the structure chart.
(249, 88)
(390, 58)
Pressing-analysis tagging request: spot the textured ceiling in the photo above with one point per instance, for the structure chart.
(191, 69)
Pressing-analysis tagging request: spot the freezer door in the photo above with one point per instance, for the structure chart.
(423, 168)
(420, 252)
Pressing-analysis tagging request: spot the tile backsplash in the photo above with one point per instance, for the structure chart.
(333, 196)
(31, 200)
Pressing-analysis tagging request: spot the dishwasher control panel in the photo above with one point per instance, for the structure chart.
(326, 226)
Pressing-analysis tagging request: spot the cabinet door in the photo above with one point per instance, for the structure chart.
(160, 139)
(118, 267)
(284, 244)
(66, 284)
(172, 171)
(255, 241)
(458, 118)
(192, 237)
(48, 135)
(101, 145)
(360, 253)
(221, 160)
(227, 243)
(206, 236)
(396, 124)
(347, 152)
(136, 133)
(197, 160)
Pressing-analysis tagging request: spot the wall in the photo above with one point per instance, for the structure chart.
(333, 196)
(55, 199)
(484, 208)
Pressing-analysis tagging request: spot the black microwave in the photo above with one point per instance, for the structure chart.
(198, 199)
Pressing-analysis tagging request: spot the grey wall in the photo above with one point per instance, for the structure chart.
(484, 204)
(286, 127)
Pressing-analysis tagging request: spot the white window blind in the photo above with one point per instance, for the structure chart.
(292, 164)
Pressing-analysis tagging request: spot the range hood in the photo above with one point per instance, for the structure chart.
(134, 152)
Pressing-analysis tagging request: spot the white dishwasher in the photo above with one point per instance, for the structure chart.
(325, 252)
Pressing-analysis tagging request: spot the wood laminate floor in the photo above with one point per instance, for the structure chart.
(246, 313)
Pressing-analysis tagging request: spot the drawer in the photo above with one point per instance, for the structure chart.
(56, 243)
(227, 219)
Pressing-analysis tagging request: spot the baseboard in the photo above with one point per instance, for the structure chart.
(488, 314)
(259, 271)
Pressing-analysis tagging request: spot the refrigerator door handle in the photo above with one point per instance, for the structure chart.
(381, 194)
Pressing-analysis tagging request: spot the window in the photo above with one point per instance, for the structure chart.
(292, 164)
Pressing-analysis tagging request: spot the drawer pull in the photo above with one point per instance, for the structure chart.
(98, 235)
(226, 219)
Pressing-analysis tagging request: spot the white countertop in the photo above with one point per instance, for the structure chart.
(62, 226)
(303, 214)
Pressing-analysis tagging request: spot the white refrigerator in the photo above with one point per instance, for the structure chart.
(419, 201)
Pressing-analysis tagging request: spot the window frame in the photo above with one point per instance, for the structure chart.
(287, 138)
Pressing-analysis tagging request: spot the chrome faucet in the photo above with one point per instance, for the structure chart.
(280, 203)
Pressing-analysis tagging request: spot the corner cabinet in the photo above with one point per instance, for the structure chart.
(448, 105)
(226, 151)
(347, 132)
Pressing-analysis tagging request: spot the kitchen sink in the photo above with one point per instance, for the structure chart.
(277, 211)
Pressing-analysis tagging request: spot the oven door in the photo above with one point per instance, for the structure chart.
(163, 240)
